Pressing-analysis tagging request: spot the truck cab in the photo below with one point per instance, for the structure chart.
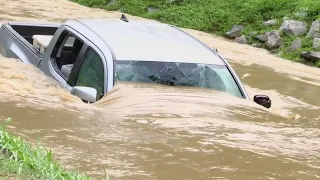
(77, 60)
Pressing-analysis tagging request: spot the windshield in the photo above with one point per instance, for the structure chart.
(215, 77)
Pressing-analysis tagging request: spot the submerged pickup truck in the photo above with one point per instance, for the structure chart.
(87, 56)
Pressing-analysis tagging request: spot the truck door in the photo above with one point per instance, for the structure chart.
(59, 61)
(76, 61)
(90, 71)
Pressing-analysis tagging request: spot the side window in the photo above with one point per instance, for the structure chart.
(65, 53)
(91, 73)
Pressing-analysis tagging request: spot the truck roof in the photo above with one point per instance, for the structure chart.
(141, 40)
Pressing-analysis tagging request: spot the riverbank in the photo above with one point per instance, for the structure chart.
(287, 28)
(20, 160)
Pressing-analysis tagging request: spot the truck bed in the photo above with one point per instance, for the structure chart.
(16, 39)
(27, 31)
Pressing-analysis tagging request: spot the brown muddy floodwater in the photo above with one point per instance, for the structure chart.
(141, 131)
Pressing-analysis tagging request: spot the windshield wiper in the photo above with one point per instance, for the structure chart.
(173, 81)
(158, 80)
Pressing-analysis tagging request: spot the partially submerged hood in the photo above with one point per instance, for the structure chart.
(143, 99)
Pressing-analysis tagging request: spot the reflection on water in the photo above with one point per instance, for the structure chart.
(144, 131)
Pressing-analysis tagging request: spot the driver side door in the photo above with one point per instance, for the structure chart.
(90, 71)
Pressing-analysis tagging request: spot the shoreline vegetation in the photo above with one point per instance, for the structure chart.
(19, 160)
(289, 29)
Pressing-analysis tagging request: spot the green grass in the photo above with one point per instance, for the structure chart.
(218, 16)
(20, 160)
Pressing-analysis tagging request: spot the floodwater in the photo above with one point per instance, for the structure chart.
(141, 131)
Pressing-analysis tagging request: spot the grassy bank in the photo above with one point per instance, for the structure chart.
(218, 16)
(21, 161)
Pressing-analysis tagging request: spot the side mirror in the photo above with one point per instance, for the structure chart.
(262, 100)
(87, 94)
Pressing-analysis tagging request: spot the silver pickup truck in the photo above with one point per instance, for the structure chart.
(88, 56)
